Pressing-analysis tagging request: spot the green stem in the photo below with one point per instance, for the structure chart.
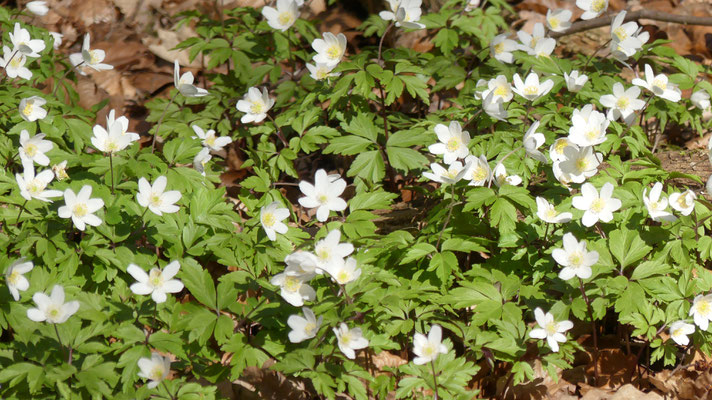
(380, 43)
(449, 214)
(435, 379)
(160, 121)
(594, 53)
(595, 333)
(111, 168)
(59, 82)
(22, 208)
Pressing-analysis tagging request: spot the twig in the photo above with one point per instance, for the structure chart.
(634, 16)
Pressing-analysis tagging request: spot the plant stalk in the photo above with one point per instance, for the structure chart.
(160, 121)
(595, 333)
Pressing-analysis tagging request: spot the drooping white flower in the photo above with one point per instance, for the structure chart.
(57, 39)
(452, 174)
(350, 340)
(588, 129)
(14, 64)
(558, 20)
(157, 282)
(282, 17)
(123, 122)
(81, 208)
(452, 143)
(331, 49)
(683, 202)
(293, 287)
(209, 140)
(303, 328)
(321, 71)
(576, 260)
(627, 48)
(406, 13)
(31, 108)
(679, 331)
(52, 308)
(556, 150)
(21, 40)
(323, 195)
(155, 369)
(33, 187)
(499, 87)
(547, 212)
(581, 163)
(621, 31)
(60, 170)
(532, 141)
(596, 207)
(343, 271)
(501, 178)
(15, 278)
(592, 8)
(201, 159)
(701, 310)
(33, 149)
(271, 217)
(700, 99)
(255, 105)
(501, 48)
(112, 141)
(659, 85)
(329, 251)
(622, 104)
(530, 88)
(549, 329)
(494, 107)
(427, 348)
(37, 7)
(656, 204)
(479, 173)
(155, 196)
(89, 58)
(184, 83)
(575, 80)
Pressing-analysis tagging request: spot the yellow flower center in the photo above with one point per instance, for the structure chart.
(13, 278)
(309, 328)
(598, 205)
(155, 200)
(323, 253)
(15, 62)
(429, 350)
(28, 109)
(682, 202)
(703, 307)
(210, 140)
(660, 84)
(598, 5)
(53, 312)
(155, 277)
(560, 145)
(453, 144)
(94, 57)
(498, 48)
(501, 91)
(268, 219)
(333, 52)
(582, 164)
(60, 172)
(156, 373)
(592, 134)
(654, 205)
(533, 42)
(551, 212)
(257, 107)
(111, 146)
(576, 259)
(620, 33)
(292, 284)
(36, 187)
(346, 339)
(80, 209)
(285, 18)
(531, 90)
(551, 328)
(31, 149)
(623, 102)
(554, 22)
(677, 332)
(343, 276)
(479, 174)
(322, 198)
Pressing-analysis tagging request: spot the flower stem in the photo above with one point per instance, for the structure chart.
(111, 168)
(449, 214)
(168, 391)
(69, 348)
(594, 53)
(6, 64)
(59, 82)
(492, 177)
(380, 43)
(546, 234)
(22, 208)
(279, 131)
(160, 121)
(595, 333)
(435, 379)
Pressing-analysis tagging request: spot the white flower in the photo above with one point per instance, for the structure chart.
(52, 308)
(580, 163)
(301, 263)
(592, 8)
(303, 328)
(683, 202)
(453, 142)
(33, 187)
(588, 129)
(656, 205)
(596, 207)
(321, 71)
(659, 85)
(184, 83)
(255, 105)
(123, 122)
(293, 287)
(501, 48)
(536, 44)
(329, 251)
(427, 348)
(575, 259)
(209, 140)
(499, 87)
(343, 271)
(627, 48)
(494, 107)
(21, 40)
(283, 17)
(37, 7)
(679, 331)
(700, 99)
(33, 149)
(621, 31)
(155, 196)
(15, 279)
(471, 5)
(89, 58)
(60, 170)
(453, 174)
(31, 108)
(501, 177)
(271, 217)
(331, 49)
(157, 282)
(530, 89)
(155, 369)
(479, 173)
(406, 13)
(547, 212)
(556, 150)
(14, 64)
(350, 340)
(701, 310)
(57, 38)
(112, 141)
(80, 208)
(549, 329)
(560, 176)
(622, 104)
(201, 159)
(532, 141)
(558, 20)
(575, 80)
(323, 195)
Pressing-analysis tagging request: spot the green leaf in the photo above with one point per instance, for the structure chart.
(627, 246)
(348, 145)
(417, 252)
(405, 159)
(200, 284)
(368, 165)
(377, 200)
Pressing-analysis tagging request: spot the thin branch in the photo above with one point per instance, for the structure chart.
(634, 16)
